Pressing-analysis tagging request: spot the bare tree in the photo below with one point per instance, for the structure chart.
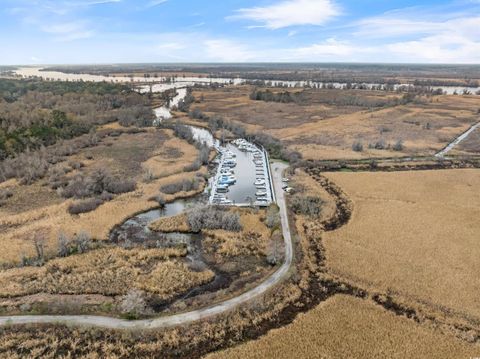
(63, 245)
(39, 243)
(272, 219)
(133, 304)
(83, 242)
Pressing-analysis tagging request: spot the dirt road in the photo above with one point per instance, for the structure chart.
(459, 139)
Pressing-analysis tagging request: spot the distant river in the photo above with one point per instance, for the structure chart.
(183, 82)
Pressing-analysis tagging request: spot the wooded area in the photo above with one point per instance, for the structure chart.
(37, 113)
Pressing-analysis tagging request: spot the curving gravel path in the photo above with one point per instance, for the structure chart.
(182, 318)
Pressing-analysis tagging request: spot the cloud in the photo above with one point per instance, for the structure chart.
(406, 23)
(425, 35)
(330, 48)
(68, 31)
(155, 3)
(290, 13)
(443, 48)
(64, 20)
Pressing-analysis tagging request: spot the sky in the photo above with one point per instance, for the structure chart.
(172, 31)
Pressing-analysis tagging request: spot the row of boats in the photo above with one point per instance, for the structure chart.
(226, 178)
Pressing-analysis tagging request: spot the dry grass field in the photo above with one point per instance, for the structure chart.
(36, 207)
(414, 235)
(97, 280)
(470, 145)
(253, 239)
(322, 130)
(348, 327)
(107, 272)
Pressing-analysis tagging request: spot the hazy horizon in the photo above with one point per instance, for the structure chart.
(244, 64)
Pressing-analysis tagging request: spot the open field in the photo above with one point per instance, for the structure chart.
(108, 272)
(128, 157)
(470, 145)
(348, 327)
(329, 122)
(413, 235)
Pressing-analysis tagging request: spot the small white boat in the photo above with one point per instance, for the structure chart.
(261, 193)
(259, 182)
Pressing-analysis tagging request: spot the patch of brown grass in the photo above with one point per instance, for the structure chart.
(470, 145)
(413, 235)
(348, 327)
(170, 224)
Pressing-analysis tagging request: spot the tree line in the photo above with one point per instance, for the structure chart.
(283, 97)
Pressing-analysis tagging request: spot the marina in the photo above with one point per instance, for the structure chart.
(243, 176)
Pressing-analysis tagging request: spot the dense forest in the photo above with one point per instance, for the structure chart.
(38, 113)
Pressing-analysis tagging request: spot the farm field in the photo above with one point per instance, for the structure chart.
(345, 326)
(413, 235)
(329, 122)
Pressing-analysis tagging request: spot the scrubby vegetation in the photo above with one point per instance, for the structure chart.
(209, 217)
(184, 104)
(306, 205)
(100, 182)
(80, 243)
(100, 185)
(185, 132)
(84, 206)
(357, 146)
(184, 185)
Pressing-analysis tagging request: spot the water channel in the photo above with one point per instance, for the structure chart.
(183, 82)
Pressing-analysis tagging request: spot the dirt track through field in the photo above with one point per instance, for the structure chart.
(182, 318)
(459, 139)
